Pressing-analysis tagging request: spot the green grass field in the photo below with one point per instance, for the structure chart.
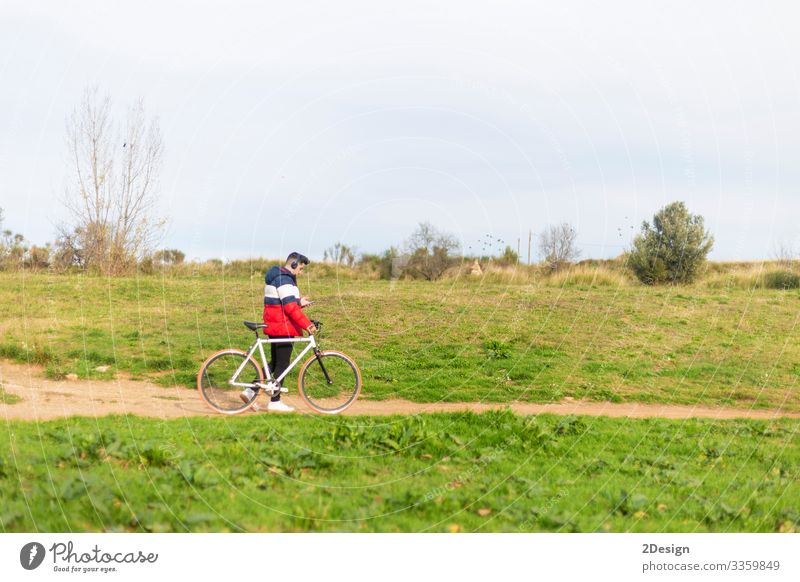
(451, 340)
(443, 472)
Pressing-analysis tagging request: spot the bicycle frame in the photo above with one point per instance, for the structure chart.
(259, 345)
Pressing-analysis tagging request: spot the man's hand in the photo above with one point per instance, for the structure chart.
(311, 329)
(304, 301)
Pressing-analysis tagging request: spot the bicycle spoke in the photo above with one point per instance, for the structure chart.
(330, 383)
(214, 381)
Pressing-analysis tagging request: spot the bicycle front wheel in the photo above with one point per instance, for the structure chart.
(329, 382)
(220, 386)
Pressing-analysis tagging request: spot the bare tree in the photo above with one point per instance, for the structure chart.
(557, 244)
(429, 250)
(166, 257)
(135, 230)
(12, 248)
(340, 254)
(785, 254)
(111, 193)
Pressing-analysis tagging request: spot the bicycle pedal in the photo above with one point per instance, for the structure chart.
(270, 388)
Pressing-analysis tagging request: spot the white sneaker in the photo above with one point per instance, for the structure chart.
(278, 406)
(247, 395)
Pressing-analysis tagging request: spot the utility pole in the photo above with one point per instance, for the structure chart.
(518, 249)
(529, 247)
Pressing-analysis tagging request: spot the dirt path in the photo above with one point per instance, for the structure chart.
(44, 399)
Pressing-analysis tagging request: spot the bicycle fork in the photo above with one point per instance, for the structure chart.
(324, 371)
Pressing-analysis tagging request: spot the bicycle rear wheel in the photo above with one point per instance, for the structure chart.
(329, 382)
(215, 381)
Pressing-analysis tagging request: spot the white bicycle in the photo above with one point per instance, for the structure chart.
(329, 381)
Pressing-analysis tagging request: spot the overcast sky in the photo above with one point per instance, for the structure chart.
(293, 125)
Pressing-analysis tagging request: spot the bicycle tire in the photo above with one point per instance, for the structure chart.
(347, 380)
(224, 398)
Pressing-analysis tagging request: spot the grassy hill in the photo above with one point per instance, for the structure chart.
(457, 339)
(586, 334)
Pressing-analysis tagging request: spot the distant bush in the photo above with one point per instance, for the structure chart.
(369, 262)
(15, 253)
(169, 257)
(381, 266)
(12, 248)
(430, 252)
(37, 258)
(509, 258)
(782, 280)
(671, 250)
(147, 266)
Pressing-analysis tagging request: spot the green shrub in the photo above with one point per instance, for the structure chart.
(380, 265)
(782, 280)
(673, 249)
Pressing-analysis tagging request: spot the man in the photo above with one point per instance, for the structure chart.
(284, 317)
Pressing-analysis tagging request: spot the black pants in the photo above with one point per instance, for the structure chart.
(281, 357)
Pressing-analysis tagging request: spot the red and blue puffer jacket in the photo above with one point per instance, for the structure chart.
(282, 312)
